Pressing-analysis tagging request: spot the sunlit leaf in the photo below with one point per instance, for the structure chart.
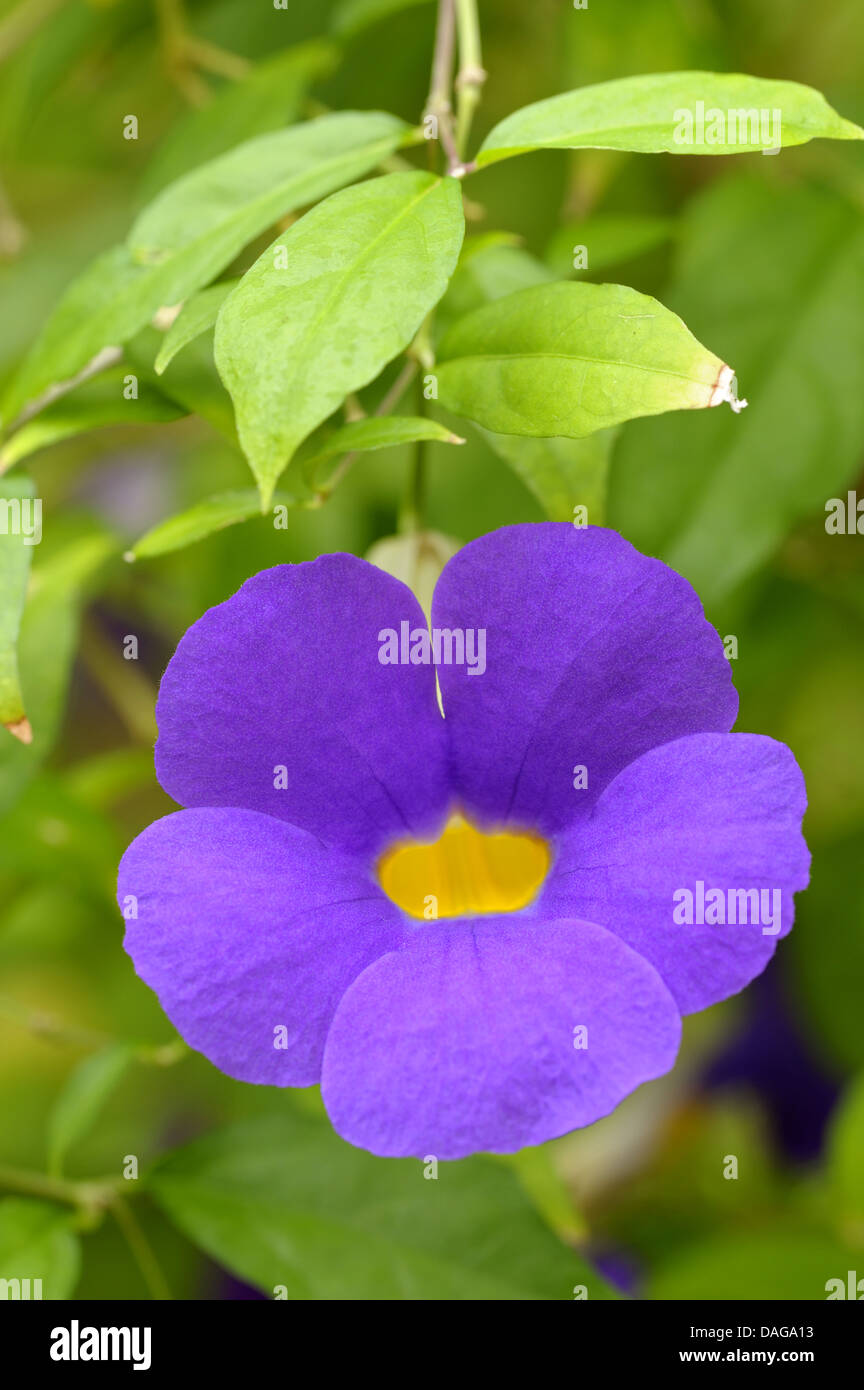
(199, 521)
(16, 551)
(661, 112)
(197, 315)
(363, 436)
(569, 359)
(46, 645)
(193, 230)
(329, 304)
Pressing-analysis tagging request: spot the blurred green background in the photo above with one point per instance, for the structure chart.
(764, 259)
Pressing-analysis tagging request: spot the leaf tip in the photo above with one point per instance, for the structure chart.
(21, 729)
(726, 390)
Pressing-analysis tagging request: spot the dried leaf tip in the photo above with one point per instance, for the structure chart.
(20, 729)
(726, 389)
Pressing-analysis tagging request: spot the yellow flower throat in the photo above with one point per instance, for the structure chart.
(465, 872)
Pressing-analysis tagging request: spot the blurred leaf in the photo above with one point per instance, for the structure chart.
(269, 97)
(192, 230)
(846, 1162)
(46, 645)
(775, 277)
(94, 405)
(15, 557)
(561, 473)
(197, 315)
(645, 114)
(569, 359)
(763, 1265)
(488, 269)
(375, 432)
(99, 781)
(331, 322)
(829, 975)
(37, 1242)
(608, 240)
(191, 381)
(352, 16)
(283, 1201)
(82, 1098)
(211, 514)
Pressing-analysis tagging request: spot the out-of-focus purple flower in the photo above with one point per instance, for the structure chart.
(259, 911)
(770, 1054)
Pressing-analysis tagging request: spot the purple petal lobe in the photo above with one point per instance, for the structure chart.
(250, 931)
(718, 810)
(467, 1039)
(276, 701)
(594, 654)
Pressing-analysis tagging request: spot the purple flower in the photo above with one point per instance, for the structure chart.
(258, 916)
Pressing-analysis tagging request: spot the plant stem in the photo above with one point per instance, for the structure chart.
(392, 398)
(47, 1026)
(413, 507)
(141, 1249)
(93, 1194)
(472, 74)
(439, 103)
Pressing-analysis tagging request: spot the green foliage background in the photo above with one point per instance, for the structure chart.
(764, 260)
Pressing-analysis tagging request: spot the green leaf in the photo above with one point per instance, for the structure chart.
(15, 557)
(46, 646)
(193, 230)
(846, 1162)
(269, 97)
(329, 304)
(761, 1265)
(561, 473)
(362, 436)
(775, 276)
(201, 520)
(489, 268)
(283, 1202)
(660, 112)
(37, 1242)
(197, 315)
(830, 984)
(569, 359)
(353, 16)
(85, 1093)
(608, 239)
(95, 405)
(191, 381)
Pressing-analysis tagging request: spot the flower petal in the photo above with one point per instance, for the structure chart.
(246, 925)
(286, 674)
(594, 654)
(465, 1039)
(721, 809)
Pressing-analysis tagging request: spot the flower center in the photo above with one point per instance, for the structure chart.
(465, 872)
